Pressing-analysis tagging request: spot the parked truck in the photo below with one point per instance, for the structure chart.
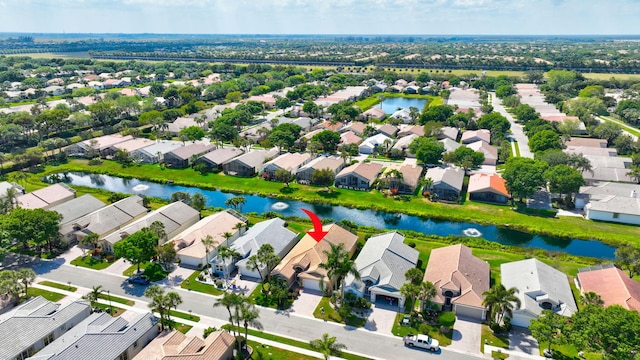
(421, 341)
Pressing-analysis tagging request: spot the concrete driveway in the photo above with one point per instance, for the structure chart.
(466, 336)
(381, 318)
(520, 340)
(306, 302)
(540, 200)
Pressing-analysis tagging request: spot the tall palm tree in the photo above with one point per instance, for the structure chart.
(158, 303)
(172, 300)
(339, 265)
(26, 276)
(501, 301)
(327, 346)
(225, 252)
(157, 229)
(426, 292)
(94, 294)
(208, 243)
(394, 179)
(228, 300)
(591, 298)
(90, 239)
(249, 314)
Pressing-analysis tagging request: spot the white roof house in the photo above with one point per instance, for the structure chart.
(46, 197)
(74, 209)
(382, 263)
(155, 153)
(540, 287)
(290, 162)
(272, 232)
(369, 144)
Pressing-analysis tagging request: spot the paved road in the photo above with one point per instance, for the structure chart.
(517, 132)
(372, 344)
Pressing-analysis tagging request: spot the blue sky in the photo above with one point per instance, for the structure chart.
(528, 17)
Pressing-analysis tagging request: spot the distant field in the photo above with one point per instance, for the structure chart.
(61, 55)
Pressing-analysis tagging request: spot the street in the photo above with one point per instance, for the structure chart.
(361, 341)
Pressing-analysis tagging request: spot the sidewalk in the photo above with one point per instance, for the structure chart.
(518, 355)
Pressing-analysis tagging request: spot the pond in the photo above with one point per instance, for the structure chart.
(391, 105)
(378, 219)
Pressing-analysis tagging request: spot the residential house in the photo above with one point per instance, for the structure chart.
(46, 197)
(192, 252)
(302, 264)
(388, 130)
(382, 263)
(129, 92)
(268, 101)
(460, 280)
(371, 144)
(446, 183)
(450, 145)
(403, 144)
(96, 85)
(407, 184)
(54, 90)
(273, 232)
(602, 190)
(586, 142)
(349, 137)
(72, 210)
(182, 123)
(184, 156)
(490, 152)
(540, 287)
(615, 208)
(411, 129)
(130, 146)
(404, 115)
(356, 127)
(214, 160)
(174, 345)
(358, 176)
(448, 132)
(608, 168)
(289, 162)
(5, 187)
(488, 188)
(155, 153)
(104, 220)
(96, 146)
(471, 136)
(412, 89)
(379, 87)
(250, 163)
(330, 125)
(102, 337)
(614, 286)
(334, 163)
(36, 323)
(175, 217)
(591, 151)
(373, 113)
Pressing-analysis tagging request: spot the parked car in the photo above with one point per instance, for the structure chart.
(138, 279)
(422, 341)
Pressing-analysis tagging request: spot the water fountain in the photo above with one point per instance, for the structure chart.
(279, 206)
(140, 188)
(472, 232)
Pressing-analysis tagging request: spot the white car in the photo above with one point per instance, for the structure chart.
(422, 341)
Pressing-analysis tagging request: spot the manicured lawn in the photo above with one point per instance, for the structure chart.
(182, 327)
(568, 351)
(153, 271)
(191, 283)
(58, 286)
(183, 315)
(287, 341)
(330, 314)
(488, 337)
(91, 263)
(433, 331)
(267, 301)
(269, 352)
(49, 295)
(116, 299)
(116, 310)
(470, 212)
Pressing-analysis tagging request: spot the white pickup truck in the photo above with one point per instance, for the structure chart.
(422, 341)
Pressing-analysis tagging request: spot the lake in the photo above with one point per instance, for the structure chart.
(378, 219)
(391, 105)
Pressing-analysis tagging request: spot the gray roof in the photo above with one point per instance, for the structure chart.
(616, 204)
(77, 207)
(603, 189)
(222, 155)
(5, 186)
(30, 322)
(324, 162)
(98, 337)
(448, 132)
(452, 176)
(256, 158)
(538, 283)
(108, 218)
(265, 232)
(162, 147)
(384, 258)
(186, 152)
(450, 145)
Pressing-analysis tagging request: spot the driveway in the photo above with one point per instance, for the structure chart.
(540, 200)
(306, 302)
(381, 318)
(466, 336)
(520, 340)
(178, 275)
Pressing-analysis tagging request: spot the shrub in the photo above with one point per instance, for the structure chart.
(424, 329)
(344, 311)
(495, 327)
(447, 319)
(208, 331)
(95, 161)
(412, 244)
(219, 283)
(362, 303)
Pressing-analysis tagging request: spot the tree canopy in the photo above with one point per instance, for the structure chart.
(427, 150)
(524, 176)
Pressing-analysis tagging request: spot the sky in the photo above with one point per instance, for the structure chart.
(499, 17)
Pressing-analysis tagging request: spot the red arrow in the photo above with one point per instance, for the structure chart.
(317, 233)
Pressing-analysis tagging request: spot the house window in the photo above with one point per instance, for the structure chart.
(135, 344)
(48, 339)
(124, 356)
(616, 215)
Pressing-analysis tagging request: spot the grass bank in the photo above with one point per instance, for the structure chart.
(58, 286)
(502, 216)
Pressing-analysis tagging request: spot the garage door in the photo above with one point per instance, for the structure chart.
(520, 320)
(468, 312)
(311, 284)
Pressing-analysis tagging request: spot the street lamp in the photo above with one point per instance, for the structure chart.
(69, 283)
(110, 307)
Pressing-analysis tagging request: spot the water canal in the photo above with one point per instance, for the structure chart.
(391, 105)
(376, 219)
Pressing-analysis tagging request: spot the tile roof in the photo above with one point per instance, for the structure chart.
(616, 204)
(368, 171)
(186, 152)
(222, 155)
(175, 345)
(455, 268)
(470, 136)
(411, 129)
(613, 285)
(452, 176)
(349, 137)
(288, 161)
(134, 144)
(254, 159)
(78, 207)
(44, 197)
(488, 182)
(324, 162)
(109, 218)
(587, 142)
(411, 174)
(189, 241)
(271, 231)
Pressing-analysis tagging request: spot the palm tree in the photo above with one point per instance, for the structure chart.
(501, 302)
(172, 300)
(225, 252)
(239, 226)
(90, 239)
(426, 292)
(158, 303)
(339, 265)
(249, 314)
(19, 177)
(94, 294)
(228, 301)
(591, 298)
(394, 179)
(157, 229)
(208, 243)
(26, 277)
(327, 346)
(227, 235)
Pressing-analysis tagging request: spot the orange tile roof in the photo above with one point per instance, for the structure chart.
(613, 285)
(484, 182)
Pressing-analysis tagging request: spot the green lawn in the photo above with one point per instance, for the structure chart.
(49, 295)
(259, 298)
(470, 212)
(116, 310)
(433, 331)
(58, 286)
(330, 314)
(153, 271)
(116, 299)
(191, 283)
(627, 127)
(91, 263)
(183, 328)
(183, 315)
(488, 337)
(269, 352)
(568, 351)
